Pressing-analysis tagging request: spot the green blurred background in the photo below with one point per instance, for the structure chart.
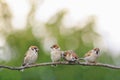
(78, 38)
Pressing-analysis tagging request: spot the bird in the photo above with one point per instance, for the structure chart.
(56, 53)
(70, 56)
(30, 56)
(92, 55)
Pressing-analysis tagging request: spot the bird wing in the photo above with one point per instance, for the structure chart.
(75, 55)
(26, 58)
(88, 54)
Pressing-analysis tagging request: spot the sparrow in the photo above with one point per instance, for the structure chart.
(92, 55)
(56, 53)
(70, 56)
(30, 56)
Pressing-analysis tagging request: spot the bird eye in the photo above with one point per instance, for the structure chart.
(97, 52)
(64, 54)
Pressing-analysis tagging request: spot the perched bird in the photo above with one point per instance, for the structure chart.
(56, 53)
(70, 56)
(31, 56)
(92, 55)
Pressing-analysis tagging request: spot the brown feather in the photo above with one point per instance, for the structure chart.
(74, 55)
(55, 46)
(88, 53)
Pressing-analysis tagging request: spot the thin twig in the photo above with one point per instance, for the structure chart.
(60, 63)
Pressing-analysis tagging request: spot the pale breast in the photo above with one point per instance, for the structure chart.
(55, 55)
(30, 57)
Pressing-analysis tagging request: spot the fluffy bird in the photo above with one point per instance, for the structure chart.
(56, 53)
(92, 55)
(70, 56)
(31, 56)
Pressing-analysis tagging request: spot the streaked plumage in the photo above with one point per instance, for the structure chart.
(30, 56)
(92, 55)
(70, 56)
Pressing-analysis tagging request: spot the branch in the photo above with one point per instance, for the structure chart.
(60, 63)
